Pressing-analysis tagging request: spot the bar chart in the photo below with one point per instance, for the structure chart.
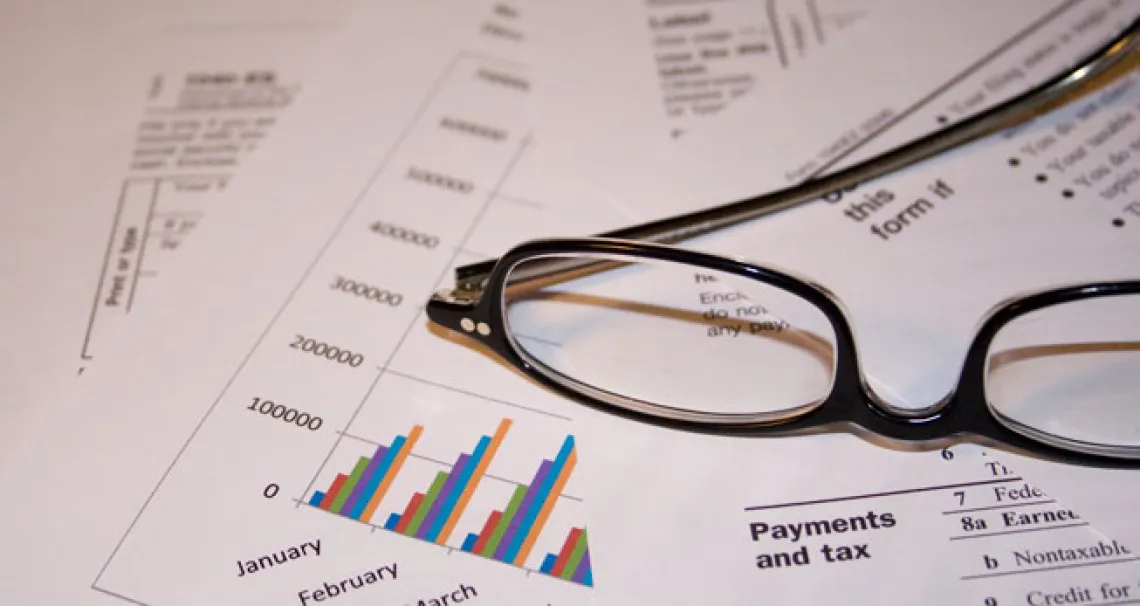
(508, 535)
(391, 424)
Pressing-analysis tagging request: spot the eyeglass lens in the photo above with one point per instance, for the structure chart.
(1071, 371)
(631, 331)
(670, 334)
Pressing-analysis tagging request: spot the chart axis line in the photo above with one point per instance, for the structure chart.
(416, 116)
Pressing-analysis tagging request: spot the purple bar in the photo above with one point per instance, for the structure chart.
(520, 513)
(363, 481)
(441, 498)
(583, 566)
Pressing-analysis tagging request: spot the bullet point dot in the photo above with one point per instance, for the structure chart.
(1068, 193)
(1041, 178)
(1118, 222)
(1014, 162)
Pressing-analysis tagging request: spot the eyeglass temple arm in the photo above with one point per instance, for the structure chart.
(1107, 63)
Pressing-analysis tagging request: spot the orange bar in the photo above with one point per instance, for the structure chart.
(547, 507)
(330, 496)
(477, 475)
(374, 502)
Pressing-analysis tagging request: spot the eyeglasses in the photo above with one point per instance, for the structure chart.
(628, 323)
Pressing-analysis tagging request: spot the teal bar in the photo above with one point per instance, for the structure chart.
(540, 499)
(376, 477)
(460, 484)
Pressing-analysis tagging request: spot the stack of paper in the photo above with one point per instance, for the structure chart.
(224, 223)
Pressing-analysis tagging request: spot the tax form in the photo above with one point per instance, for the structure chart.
(894, 249)
(122, 126)
(707, 55)
(914, 93)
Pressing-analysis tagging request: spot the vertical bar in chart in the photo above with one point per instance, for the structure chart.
(400, 522)
(373, 463)
(389, 473)
(584, 574)
(328, 497)
(480, 463)
(461, 465)
(572, 563)
(567, 549)
(425, 504)
(507, 535)
(358, 494)
(346, 490)
(512, 526)
(535, 517)
(547, 507)
(575, 560)
(480, 540)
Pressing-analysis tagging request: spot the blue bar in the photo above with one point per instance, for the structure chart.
(588, 580)
(539, 498)
(460, 485)
(315, 500)
(448, 485)
(547, 563)
(469, 542)
(392, 521)
(377, 476)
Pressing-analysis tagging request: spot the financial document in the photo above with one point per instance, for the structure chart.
(815, 521)
(355, 476)
(111, 162)
(194, 132)
(707, 55)
(855, 100)
(327, 444)
(917, 258)
(298, 455)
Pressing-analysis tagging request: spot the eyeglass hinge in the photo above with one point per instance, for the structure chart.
(468, 290)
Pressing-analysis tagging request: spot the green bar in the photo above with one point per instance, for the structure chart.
(425, 505)
(504, 522)
(349, 484)
(575, 557)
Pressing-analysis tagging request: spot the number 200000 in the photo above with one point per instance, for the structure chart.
(324, 350)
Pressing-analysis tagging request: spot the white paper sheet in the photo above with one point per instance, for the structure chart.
(410, 180)
(835, 519)
(403, 208)
(915, 279)
(122, 126)
(707, 56)
(462, 114)
(855, 101)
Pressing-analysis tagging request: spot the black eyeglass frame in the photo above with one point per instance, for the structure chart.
(963, 415)
(475, 307)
